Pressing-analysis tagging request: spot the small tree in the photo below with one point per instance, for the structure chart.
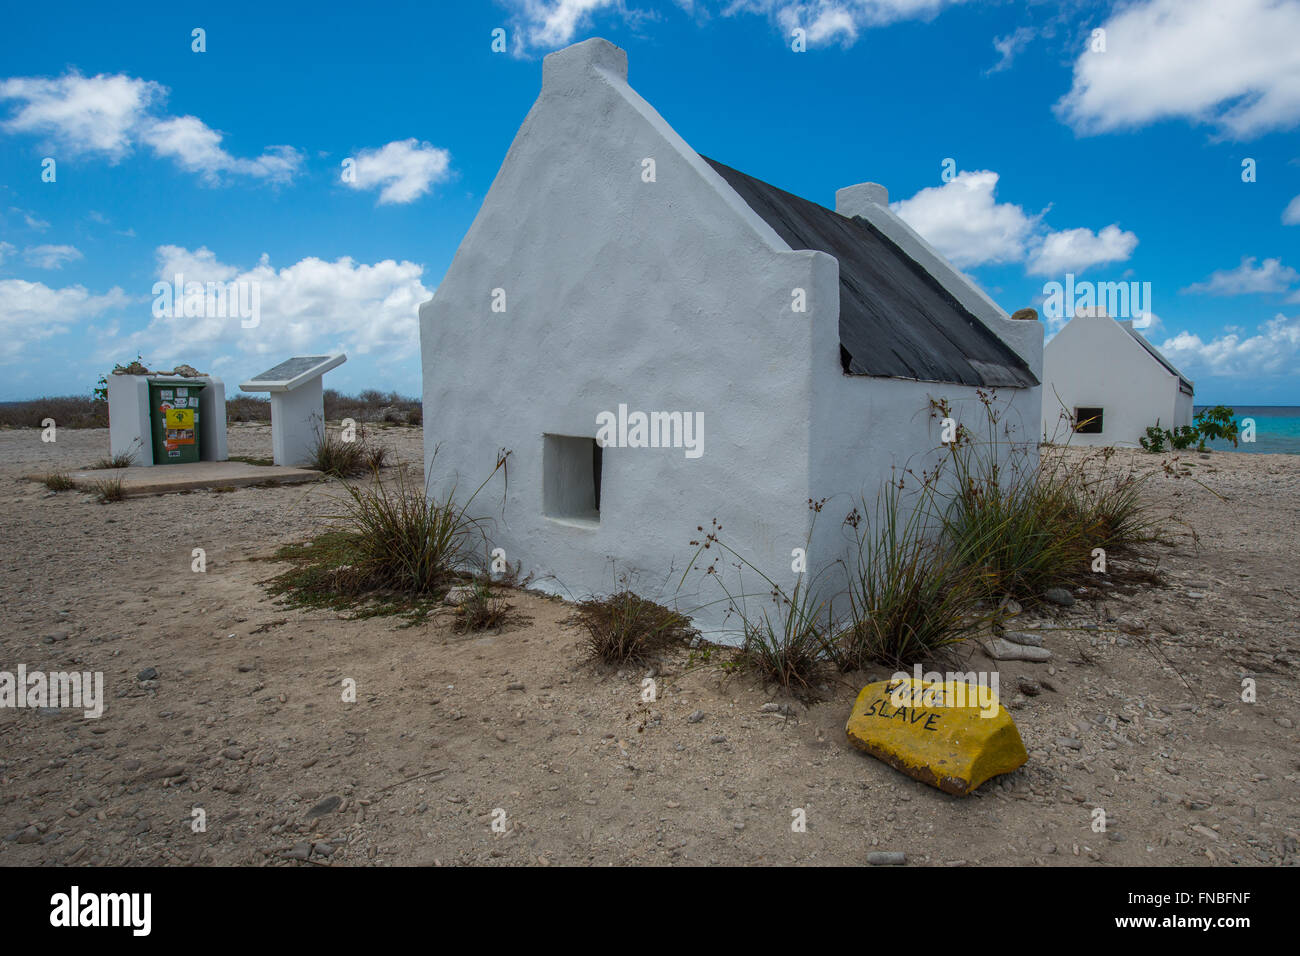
(1155, 438)
(1216, 424)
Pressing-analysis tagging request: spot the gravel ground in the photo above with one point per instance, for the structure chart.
(245, 720)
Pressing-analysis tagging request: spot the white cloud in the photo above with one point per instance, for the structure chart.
(309, 306)
(81, 114)
(548, 24)
(201, 265)
(30, 311)
(51, 257)
(405, 169)
(1235, 66)
(827, 21)
(553, 23)
(1248, 279)
(109, 115)
(40, 225)
(964, 221)
(1009, 47)
(1074, 250)
(1291, 214)
(196, 148)
(1274, 350)
(5, 249)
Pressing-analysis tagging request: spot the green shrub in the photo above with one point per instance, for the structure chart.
(1155, 438)
(1216, 424)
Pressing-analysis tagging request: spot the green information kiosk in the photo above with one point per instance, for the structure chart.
(174, 414)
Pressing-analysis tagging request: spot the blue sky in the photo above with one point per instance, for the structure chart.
(1115, 164)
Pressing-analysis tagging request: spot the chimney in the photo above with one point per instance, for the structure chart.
(856, 200)
(573, 65)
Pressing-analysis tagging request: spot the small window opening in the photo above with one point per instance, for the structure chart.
(1088, 421)
(571, 473)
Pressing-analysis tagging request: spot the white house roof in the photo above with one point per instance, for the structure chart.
(1127, 326)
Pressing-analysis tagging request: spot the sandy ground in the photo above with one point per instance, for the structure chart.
(245, 720)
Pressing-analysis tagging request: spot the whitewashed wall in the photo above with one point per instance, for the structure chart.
(1093, 362)
(664, 296)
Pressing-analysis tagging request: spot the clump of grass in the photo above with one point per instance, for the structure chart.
(394, 549)
(1035, 531)
(1025, 527)
(407, 540)
(109, 490)
(124, 459)
(338, 457)
(626, 627)
(790, 645)
(58, 482)
(332, 455)
(910, 598)
(482, 611)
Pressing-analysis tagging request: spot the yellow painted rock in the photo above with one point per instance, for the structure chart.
(953, 736)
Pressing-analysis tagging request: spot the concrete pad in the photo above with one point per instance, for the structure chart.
(162, 479)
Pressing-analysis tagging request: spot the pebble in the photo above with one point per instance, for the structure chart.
(328, 805)
(1030, 688)
(1024, 638)
(1283, 722)
(1059, 596)
(149, 673)
(886, 858)
(695, 717)
(458, 595)
(1001, 650)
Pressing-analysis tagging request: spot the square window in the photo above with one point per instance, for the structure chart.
(1087, 421)
(571, 471)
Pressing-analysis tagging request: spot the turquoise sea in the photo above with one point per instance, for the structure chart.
(1277, 429)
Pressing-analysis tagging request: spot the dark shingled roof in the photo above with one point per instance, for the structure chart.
(896, 319)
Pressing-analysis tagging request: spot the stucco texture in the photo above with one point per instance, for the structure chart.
(669, 295)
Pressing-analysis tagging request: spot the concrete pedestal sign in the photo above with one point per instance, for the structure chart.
(951, 735)
(297, 404)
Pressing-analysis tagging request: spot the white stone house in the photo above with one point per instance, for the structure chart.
(1103, 381)
(787, 351)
